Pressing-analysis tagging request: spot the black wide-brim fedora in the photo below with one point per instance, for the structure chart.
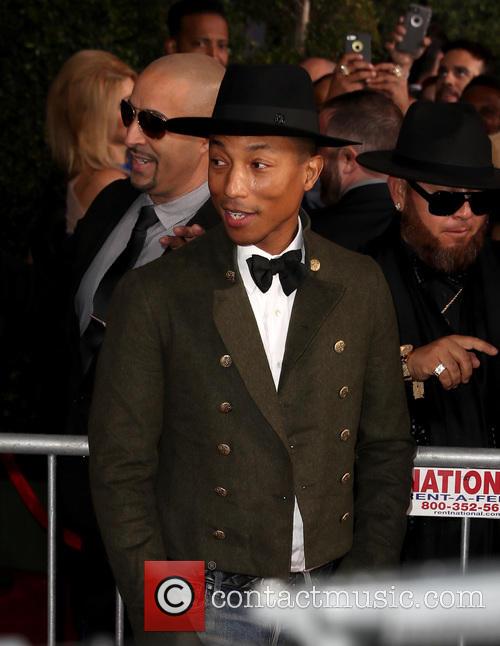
(261, 100)
(439, 143)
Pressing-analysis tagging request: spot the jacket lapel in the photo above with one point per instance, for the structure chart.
(100, 220)
(314, 301)
(235, 321)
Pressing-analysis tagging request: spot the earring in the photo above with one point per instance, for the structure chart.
(398, 206)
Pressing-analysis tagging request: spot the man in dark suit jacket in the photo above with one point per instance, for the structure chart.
(169, 181)
(358, 207)
(168, 172)
(250, 413)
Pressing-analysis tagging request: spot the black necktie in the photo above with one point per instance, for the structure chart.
(93, 336)
(289, 267)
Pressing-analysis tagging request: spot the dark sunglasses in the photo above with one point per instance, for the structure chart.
(448, 202)
(153, 124)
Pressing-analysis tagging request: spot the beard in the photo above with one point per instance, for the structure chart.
(449, 260)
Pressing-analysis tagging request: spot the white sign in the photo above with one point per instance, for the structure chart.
(455, 492)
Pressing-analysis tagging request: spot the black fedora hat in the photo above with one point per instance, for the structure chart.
(439, 143)
(261, 100)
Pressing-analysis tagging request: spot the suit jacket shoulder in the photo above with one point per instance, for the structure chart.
(207, 258)
(361, 215)
(101, 218)
(341, 265)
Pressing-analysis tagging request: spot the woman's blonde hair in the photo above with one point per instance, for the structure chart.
(82, 109)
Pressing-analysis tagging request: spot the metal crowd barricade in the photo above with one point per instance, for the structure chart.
(54, 445)
(459, 458)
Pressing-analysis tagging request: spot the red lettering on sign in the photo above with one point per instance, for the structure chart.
(416, 480)
(430, 482)
(472, 477)
(492, 482)
(445, 474)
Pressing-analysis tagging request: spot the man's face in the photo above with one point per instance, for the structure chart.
(257, 185)
(456, 70)
(168, 167)
(204, 33)
(331, 183)
(446, 243)
(486, 100)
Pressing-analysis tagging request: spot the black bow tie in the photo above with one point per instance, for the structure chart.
(288, 266)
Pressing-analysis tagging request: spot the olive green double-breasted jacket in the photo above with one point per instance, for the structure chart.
(194, 455)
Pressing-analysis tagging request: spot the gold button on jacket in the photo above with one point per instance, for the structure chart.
(225, 407)
(225, 361)
(224, 449)
(339, 346)
(343, 392)
(345, 434)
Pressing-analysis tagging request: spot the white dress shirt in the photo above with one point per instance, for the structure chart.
(272, 311)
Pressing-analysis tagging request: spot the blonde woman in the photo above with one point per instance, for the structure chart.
(84, 127)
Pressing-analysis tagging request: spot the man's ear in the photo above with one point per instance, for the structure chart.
(170, 46)
(314, 166)
(397, 189)
(347, 160)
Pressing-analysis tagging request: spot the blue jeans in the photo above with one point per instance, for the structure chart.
(228, 622)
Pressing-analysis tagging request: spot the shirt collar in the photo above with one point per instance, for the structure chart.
(245, 252)
(181, 208)
(365, 182)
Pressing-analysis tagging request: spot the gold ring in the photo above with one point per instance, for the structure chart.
(344, 70)
(397, 71)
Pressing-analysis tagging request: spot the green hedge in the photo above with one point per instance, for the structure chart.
(39, 35)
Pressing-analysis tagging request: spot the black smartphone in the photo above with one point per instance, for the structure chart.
(359, 43)
(416, 21)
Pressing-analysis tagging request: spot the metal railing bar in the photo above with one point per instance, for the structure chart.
(35, 444)
(429, 456)
(464, 543)
(119, 620)
(457, 457)
(51, 551)
(464, 556)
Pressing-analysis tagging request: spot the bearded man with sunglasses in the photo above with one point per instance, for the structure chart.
(444, 276)
(129, 224)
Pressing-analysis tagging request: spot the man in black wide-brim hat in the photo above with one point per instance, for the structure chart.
(444, 275)
(249, 411)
